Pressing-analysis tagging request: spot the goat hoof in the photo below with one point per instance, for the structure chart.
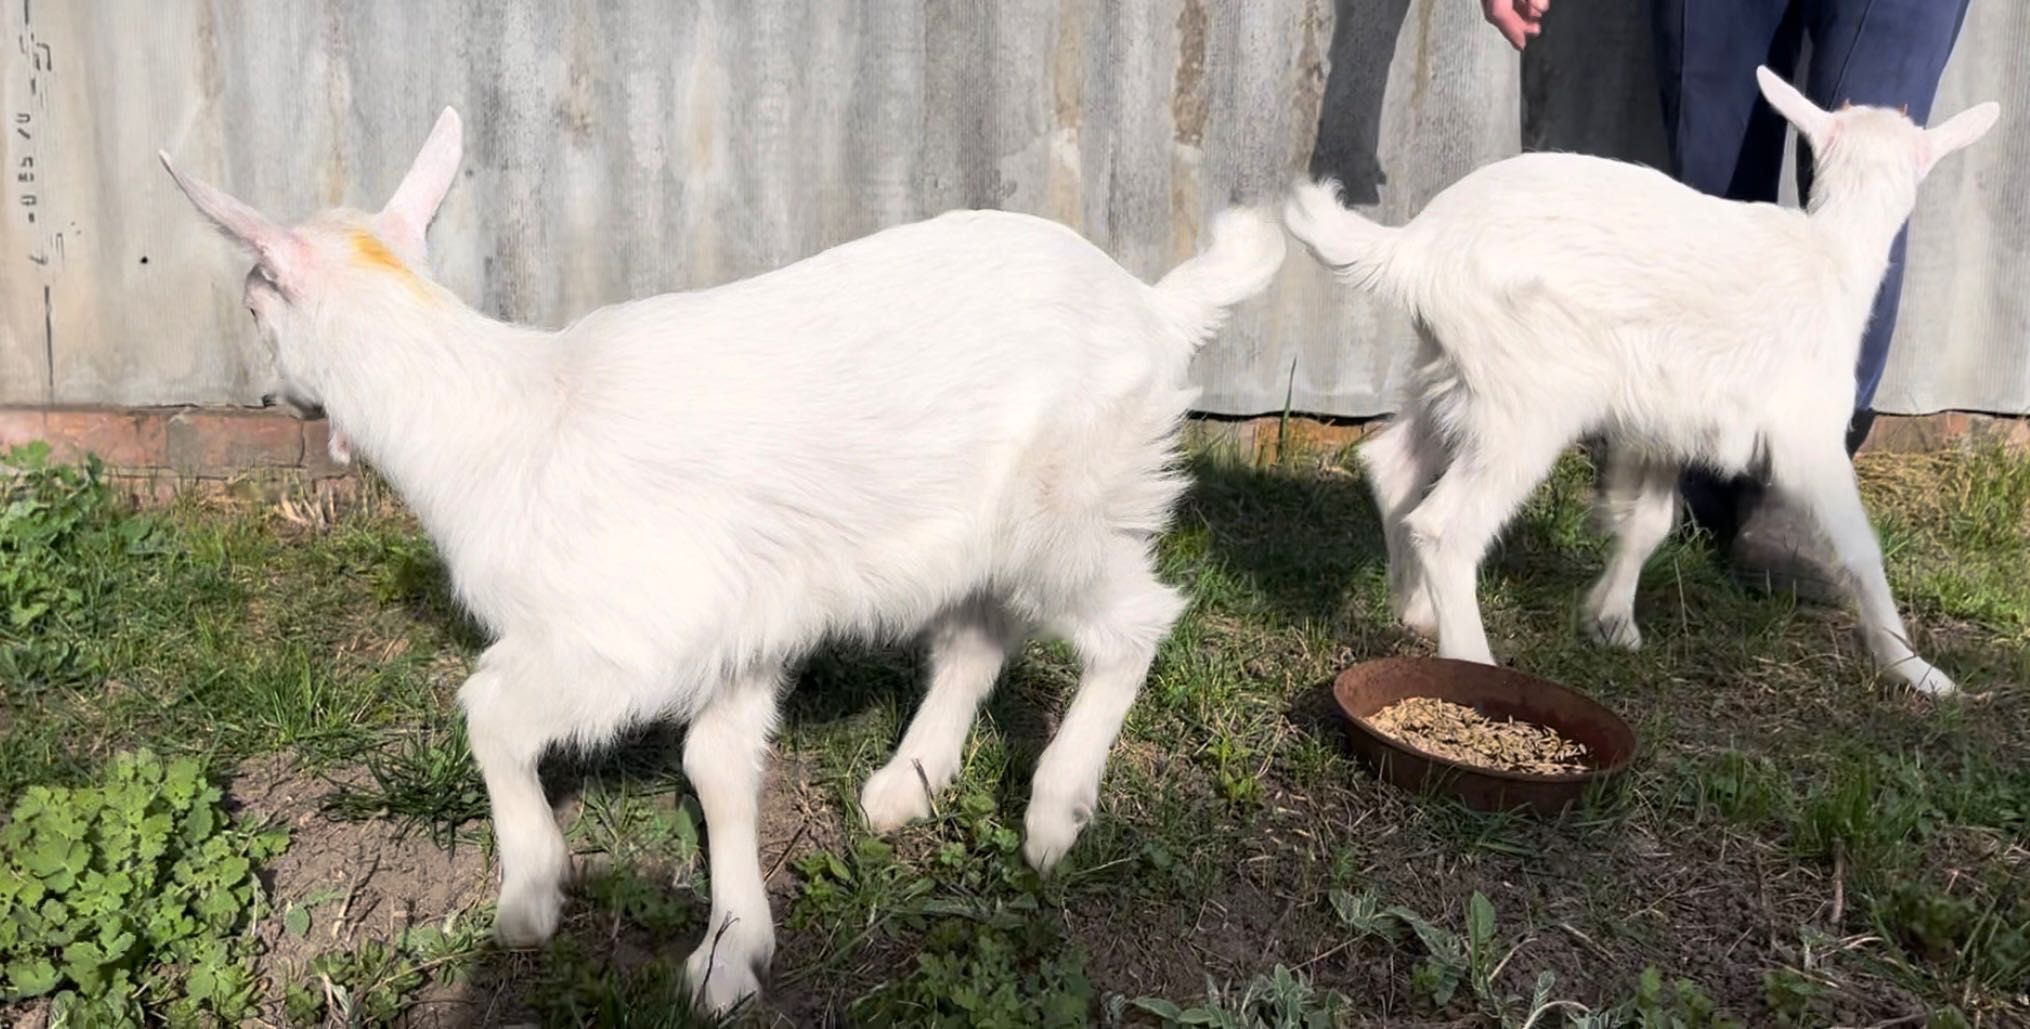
(527, 917)
(724, 972)
(1616, 631)
(1418, 616)
(1050, 829)
(894, 796)
(1925, 679)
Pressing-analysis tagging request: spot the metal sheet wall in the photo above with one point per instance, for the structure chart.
(619, 148)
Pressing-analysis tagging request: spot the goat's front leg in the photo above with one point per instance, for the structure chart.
(725, 750)
(510, 725)
(1822, 479)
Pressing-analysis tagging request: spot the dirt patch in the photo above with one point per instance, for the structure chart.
(357, 880)
(1592, 904)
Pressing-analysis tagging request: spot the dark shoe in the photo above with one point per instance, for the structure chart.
(1780, 550)
(1718, 504)
(1857, 430)
(1714, 503)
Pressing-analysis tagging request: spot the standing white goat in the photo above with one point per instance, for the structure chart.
(965, 425)
(1558, 295)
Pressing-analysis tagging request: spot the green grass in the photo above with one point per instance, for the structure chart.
(1799, 844)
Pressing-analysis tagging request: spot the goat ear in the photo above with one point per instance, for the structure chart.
(405, 220)
(281, 254)
(1809, 118)
(1960, 130)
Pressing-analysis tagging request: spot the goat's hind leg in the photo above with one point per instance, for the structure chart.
(1638, 501)
(1115, 628)
(1401, 461)
(967, 650)
(1491, 474)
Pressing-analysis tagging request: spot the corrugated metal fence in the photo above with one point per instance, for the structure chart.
(619, 148)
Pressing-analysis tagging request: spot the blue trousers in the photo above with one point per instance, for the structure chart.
(1725, 141)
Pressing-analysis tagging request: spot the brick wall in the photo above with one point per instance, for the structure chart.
(168, 446)
(184, 443)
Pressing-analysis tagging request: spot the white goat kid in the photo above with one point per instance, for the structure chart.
(1558, 295)
(965, 425)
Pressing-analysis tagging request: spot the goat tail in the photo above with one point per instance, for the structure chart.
(1247, 249)
(1361, 251)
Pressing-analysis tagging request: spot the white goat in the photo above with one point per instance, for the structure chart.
(1558, 295)
(965, 425)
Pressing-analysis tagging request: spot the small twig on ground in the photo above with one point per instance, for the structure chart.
(1587, 940)
(1325, 954)
(1512, 951)
(330, 995)
(783, 858)
(352, 894)
(1762, 893)
(712, 959)
(1839, 882)
(929, 795)
(1556, 1005)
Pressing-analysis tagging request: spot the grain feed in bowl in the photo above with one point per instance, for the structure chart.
(1462, 734)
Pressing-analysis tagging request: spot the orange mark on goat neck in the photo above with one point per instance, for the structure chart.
(375, 254)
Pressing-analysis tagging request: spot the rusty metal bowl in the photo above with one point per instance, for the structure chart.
(1365, 689)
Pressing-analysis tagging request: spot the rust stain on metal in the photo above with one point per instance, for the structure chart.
(1184, 202)
(1063, 185)
(337, 172)
(1068, 67)
(1425, 8)
(1307, 93)
(210, 76)
(1188, 110)
(1187, 95)
(574, 110)
(48, 347)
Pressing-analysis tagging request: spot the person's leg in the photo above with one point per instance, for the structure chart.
(1884, 53)
(1724, 141)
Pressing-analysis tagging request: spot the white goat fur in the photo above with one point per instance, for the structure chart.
(964, 425)
(1558, 295)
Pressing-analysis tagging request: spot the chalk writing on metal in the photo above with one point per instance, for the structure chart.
(29, 195)
(30, 176)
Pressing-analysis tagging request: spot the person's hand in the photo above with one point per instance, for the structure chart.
(1516, 20)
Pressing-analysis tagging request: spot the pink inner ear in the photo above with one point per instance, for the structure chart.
(287, 260)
